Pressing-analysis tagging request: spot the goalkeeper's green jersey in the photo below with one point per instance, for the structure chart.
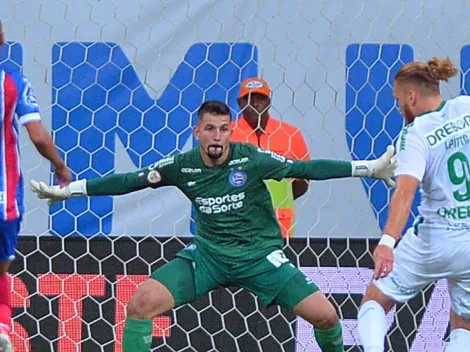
(235, 218)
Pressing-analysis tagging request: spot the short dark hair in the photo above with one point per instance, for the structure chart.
(213, 107)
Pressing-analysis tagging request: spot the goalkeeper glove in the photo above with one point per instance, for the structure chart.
(56, 194)
(382, 168)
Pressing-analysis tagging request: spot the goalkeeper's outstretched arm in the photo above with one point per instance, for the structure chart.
(382, 168)
(118, 184)
(112, 185)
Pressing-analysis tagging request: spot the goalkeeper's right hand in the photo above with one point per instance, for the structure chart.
(56, 194)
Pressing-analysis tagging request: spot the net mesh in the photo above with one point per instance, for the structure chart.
(119, 83)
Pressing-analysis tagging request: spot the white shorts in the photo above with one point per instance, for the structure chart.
(420, 262)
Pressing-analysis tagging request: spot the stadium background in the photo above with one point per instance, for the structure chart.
(119, 82)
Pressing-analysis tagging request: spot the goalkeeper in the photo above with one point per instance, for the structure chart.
(238, 239)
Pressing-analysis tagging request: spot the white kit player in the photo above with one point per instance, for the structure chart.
(433, 152)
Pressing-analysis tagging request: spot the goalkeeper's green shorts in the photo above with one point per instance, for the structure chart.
(273, 278)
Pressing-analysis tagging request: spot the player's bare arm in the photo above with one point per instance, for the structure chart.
(45, 146)
(399, 211)
(27, 110)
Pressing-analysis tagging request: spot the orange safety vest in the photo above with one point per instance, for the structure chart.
(283, 139)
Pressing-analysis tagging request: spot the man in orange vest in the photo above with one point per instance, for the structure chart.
(258, 127)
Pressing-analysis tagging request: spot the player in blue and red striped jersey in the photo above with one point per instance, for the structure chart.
(18, 106)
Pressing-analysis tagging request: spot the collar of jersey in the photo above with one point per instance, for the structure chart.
(439, 108)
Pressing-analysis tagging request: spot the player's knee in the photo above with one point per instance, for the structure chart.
(151, 299)
(141, 305)
(328, 321)
(374, 294)
(327, 318)
(318, 311)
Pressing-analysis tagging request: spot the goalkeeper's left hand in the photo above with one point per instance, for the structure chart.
(382, 168)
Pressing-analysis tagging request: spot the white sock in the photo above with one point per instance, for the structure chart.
(459, 340)
(372, 326)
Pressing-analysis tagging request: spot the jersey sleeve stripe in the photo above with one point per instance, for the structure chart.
(34, 116)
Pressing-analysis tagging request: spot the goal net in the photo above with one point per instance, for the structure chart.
(119, 83)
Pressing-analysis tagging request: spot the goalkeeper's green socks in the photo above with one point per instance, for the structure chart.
(330, 340)
(137, 335)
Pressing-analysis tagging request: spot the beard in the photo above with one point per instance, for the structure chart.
(214, 151)
(407, 114)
